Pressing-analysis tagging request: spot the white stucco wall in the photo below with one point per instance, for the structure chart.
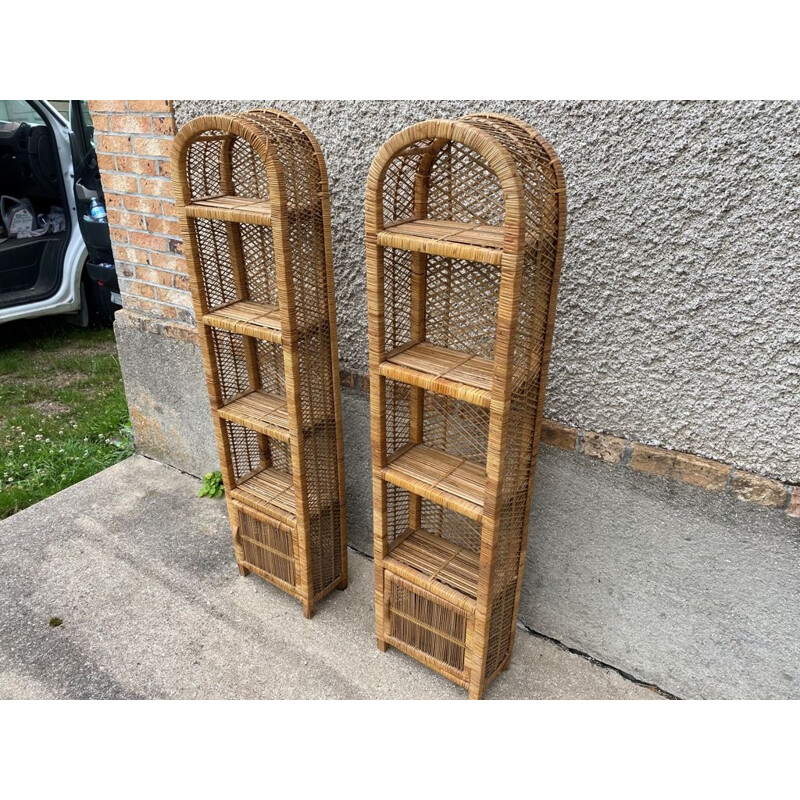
(678, 319)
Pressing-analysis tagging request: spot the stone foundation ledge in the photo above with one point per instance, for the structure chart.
(178, 331)
(715, 476)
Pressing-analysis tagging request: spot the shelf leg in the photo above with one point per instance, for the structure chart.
(308, 609)
(243, 571)
(475, 692)
(382, 645)
(342, 585)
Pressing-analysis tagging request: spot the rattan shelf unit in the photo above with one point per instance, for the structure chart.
(465, 230)
(252, 195)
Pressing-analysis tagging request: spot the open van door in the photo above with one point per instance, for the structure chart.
(102, 286)
(34, 226)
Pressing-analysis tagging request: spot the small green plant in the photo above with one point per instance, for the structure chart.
(212, 485)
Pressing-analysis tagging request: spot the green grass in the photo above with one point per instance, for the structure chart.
(63, 415)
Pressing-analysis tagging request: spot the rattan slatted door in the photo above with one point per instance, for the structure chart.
(252, 195)
(465, 230)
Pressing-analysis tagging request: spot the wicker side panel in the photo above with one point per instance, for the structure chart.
(326, 549)
(458, 428)
(398, 431)
(267, 547)
(433, 629)
(215, 260)
(451, 525)
(397, 512)
(204, 155)
(399, 181)
(540, 189)
(461, 305)
(245, 450)
(270, 367)
(464, 188)
(258, 261)
(397, 297)
(230, 356)
(231, 362)
(251, 452)
(319, 447)
(306, 235)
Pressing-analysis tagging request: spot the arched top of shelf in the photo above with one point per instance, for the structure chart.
(474, 188)
(228, 167)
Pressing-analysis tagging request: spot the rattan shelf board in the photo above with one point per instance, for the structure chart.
(269, 491)
(260, 411)
(446, 480)
(437, 562)
(481, 243)
(249, 319)
(242, 210)
(463, 376)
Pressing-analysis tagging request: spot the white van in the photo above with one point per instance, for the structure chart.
(56, 258)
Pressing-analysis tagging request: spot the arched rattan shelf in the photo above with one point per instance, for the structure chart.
(252, 196)
(465, 232)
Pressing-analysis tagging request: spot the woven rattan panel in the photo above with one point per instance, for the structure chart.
(430, 628)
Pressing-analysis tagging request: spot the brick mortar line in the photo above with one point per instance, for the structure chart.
(166, 270)
(140, 156)
(149, 266)
(133, 279)
(140, 214)
(147, 175)
(158, 302)
(130, 136)
(146, 216)
(149, 232)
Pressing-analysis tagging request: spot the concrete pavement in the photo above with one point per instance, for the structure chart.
(142, 573)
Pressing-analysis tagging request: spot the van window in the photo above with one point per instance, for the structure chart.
(14, 112)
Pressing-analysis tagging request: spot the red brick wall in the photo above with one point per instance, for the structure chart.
(133, 140)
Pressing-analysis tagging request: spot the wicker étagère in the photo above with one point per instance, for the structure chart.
(465, 228)
(253, 204)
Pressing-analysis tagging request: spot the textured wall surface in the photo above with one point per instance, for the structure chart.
(678, 318)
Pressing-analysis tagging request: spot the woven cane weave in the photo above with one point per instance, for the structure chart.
(252, 196)
(465, 231)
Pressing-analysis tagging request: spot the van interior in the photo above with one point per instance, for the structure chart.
(30, 267)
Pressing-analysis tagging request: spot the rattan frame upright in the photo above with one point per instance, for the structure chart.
(465, 225)
(254, 210)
